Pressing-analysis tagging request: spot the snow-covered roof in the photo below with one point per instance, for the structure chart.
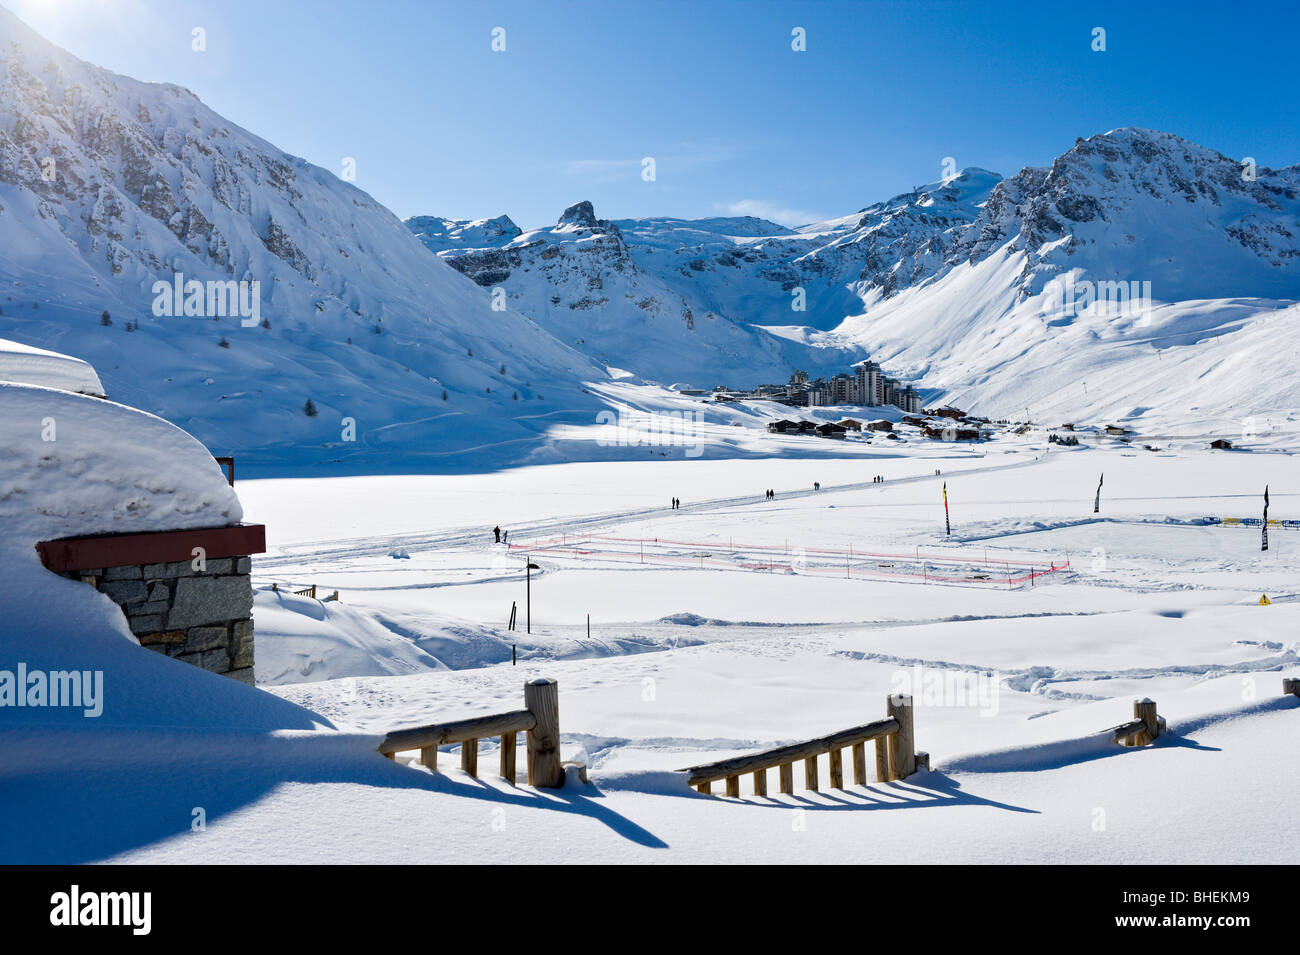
(76, 465)
(26, 365)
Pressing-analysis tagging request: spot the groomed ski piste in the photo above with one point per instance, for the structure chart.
(689, 658)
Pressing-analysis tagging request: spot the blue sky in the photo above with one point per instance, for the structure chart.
(736, 121)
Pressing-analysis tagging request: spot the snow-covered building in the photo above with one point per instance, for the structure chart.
(127, 503)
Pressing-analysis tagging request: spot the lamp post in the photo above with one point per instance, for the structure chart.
(528, 577)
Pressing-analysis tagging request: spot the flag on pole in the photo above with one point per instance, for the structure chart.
(1096, 504)
(947, 524)
(1264, 540)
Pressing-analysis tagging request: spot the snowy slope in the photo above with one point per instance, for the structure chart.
(108, 184)
(1214, 254)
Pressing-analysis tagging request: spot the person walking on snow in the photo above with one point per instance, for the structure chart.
(497, 531)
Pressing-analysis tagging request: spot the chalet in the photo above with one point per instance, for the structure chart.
(1221, 444)
(807, 427)
(783, 426)
(851, 424)
(1116, 430)
(831, 431)
(948, 411)
(880, 425)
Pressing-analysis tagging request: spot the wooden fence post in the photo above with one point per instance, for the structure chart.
(859, 764)
(1291, 686)
(787, 777)
(902, 745)
(469, 757)
(882, 759)
(542, 699)
(1145, 710)
(508, 757)
(429, 757)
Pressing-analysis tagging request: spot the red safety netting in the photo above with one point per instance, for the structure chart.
(848, 563)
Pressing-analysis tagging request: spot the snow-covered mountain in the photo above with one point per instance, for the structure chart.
(974, 285)
(108, 185)
(680, 299)
(438, 235)
(397, 336)
(1140, 205)
(1140, 277)
(607, 293)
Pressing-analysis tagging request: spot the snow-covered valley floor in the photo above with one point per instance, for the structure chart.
(748, 623)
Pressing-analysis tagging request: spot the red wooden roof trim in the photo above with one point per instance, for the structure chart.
(159, 547)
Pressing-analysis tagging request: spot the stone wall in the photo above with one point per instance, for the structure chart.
(202, 617)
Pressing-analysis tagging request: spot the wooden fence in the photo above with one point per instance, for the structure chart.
(539, 719)
(894, 736)
(307, 592)
(896, 756)
(1145, 726)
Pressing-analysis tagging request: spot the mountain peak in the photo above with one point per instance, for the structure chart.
(580, 215)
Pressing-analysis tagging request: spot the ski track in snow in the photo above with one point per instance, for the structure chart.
(307, 555)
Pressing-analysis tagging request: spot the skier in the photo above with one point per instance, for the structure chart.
(817, 485)
(497, 531)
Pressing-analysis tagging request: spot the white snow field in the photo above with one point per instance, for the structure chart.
(1013, 684)
(750, 623)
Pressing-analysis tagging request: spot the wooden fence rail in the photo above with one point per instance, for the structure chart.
(896, 756)
(1144, 728)
(307, 592)
(540, 719)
